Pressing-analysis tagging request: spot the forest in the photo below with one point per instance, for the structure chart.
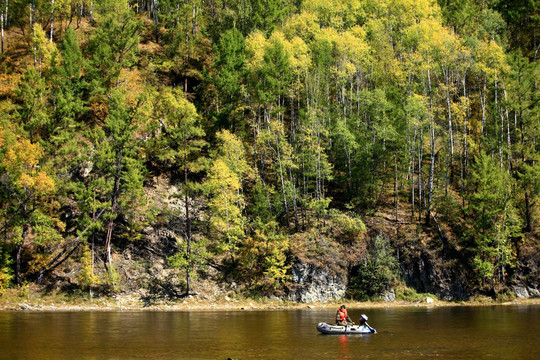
(349, 134)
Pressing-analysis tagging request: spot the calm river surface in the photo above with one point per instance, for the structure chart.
(498, 332)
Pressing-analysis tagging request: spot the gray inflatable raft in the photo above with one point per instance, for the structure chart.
(327, 328)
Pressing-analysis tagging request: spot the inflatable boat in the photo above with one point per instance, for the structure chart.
(327, 328)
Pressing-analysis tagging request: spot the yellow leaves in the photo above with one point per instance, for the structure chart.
(22, 155)
(431, 37)
(40, 182)
(21, 163)
(43, 182)
(352, 45)
(411, 11)
(25, 181)
(62, 8)
(490, 59)
(222, 179)
(255, 45)
(336, 13)
(174, 108)
(44, 49)
(303, 25)
(298, 51)
(86, 276)
(234, 155)
(437, 44)
(226, 202)
(8, 83)
(351, 49)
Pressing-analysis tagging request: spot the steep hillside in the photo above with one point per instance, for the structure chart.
(301, 150)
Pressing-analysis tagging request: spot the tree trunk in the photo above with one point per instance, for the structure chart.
(18, 250)
(450, 130)
(412, 173)
(295, 205)
(282, 181)
(396, 195)
(431, 172)
(92, 12)
(508, 137)
(420, 150)
(156, 22)
(2, 20)
(528, 223)
(32, 21)
(188, 229)
(483, 104)
(52, 20)
(432, 143)
(114, 207)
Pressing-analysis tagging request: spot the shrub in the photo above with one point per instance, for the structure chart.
(409, 294)
(376, 273)
(505, 296)
(6, 273)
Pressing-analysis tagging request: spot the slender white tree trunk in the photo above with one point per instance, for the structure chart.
(2, 20)
(52, 20)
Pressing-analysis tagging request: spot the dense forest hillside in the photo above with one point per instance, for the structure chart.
(305, 150)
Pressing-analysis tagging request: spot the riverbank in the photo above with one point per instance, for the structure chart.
(15, 301)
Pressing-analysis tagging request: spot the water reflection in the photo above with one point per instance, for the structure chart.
(343, 347)
(449, 333)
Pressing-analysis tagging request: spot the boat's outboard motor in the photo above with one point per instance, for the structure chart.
(363, 319)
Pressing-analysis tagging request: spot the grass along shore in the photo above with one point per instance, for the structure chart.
(27, 299)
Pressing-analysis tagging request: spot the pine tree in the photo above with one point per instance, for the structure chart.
(32, 111)
(119, 171)
(180, 143)
(69, 85)
(113, 46)
(494, 221)
(231, 72)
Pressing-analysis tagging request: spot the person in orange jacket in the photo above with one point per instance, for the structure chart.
(342, 318)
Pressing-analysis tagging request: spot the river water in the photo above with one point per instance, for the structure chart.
(498, 332)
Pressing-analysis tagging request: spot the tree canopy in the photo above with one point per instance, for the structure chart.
(276, 120)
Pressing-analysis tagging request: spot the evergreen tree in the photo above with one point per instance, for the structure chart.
(180, 143)
(118, 171)
(113, 45)
(69, 88)
(33, 114)
(230, 61)
(494, 221)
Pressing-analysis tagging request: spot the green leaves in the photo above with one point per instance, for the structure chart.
(376, 272)
(224, 186)
(32, 111)
(275, 74)
(113, 46)
(190, 259)
(494, 219)
(290, 112)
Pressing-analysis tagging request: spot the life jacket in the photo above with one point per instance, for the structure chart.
(341, 315)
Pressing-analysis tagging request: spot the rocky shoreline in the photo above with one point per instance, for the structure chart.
(126, 303)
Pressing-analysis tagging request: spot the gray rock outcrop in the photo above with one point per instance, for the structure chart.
(389, 296)
(314, 284)
(521, 291)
